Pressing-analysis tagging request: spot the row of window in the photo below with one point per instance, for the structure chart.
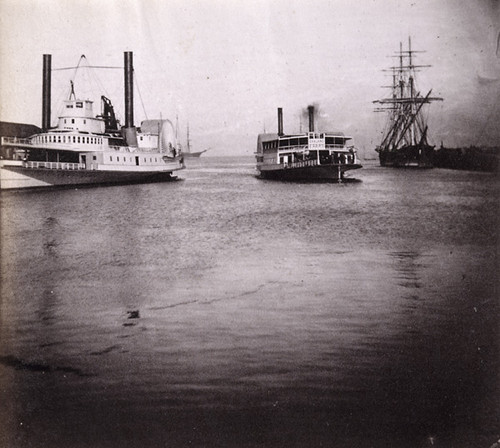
(68, 139)
(124, 159)
(302, 141)
(73, 121)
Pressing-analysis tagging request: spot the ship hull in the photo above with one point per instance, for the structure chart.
(14, 175)
(192, 155)
(406, 157)
(307, 173)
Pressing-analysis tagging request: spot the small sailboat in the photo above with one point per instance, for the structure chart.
(187, 151)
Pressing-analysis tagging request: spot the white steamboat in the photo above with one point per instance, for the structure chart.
(84, 149)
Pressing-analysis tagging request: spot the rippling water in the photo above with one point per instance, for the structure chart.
(270, 314)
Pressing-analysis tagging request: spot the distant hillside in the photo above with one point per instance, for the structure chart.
(21, 130)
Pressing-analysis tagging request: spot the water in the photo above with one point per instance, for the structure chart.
(270, 314)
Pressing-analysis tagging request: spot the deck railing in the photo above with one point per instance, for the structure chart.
(15, 141)
(314, 162)
(301, 164)
(55, 165)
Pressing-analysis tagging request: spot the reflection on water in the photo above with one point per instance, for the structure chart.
(223, 310)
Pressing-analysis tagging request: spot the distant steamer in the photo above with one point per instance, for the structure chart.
(305, 156)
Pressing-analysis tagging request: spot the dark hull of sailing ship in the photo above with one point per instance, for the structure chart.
(311, 156)
(405, 142)
(420, 156)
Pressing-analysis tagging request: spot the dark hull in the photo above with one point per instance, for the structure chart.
(17, 177)
(407, 156)
(308, 173)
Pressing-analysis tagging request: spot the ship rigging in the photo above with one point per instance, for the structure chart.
(405, 141)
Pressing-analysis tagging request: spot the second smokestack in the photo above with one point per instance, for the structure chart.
(311, 118)
(280, 121)
(46, 91)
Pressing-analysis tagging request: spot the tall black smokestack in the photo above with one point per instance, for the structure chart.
(47, 67)
(129, 89)
(310, 109)
(129, 130)
(280, 121)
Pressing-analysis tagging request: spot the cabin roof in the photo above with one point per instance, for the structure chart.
(273, 136)
(21, 130)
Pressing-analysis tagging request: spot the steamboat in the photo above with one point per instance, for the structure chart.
(84, 149)
(404, 142)
(306, 156)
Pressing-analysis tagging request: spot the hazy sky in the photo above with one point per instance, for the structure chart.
(226, 65)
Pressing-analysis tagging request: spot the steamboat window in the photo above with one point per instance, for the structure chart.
(72, 121)
(69, 106)
(58, 139)
(94, 157)
(79, 104)
(78, 139)
(117, 159)
(84, 121)
(110, 158)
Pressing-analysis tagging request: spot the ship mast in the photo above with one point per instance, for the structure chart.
(407, 125)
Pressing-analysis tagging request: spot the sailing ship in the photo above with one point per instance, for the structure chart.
(305, 156)
(84, 149)
(187, 153)
(405, 140)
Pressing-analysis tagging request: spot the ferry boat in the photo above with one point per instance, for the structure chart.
(306, 156)
(87, 149)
